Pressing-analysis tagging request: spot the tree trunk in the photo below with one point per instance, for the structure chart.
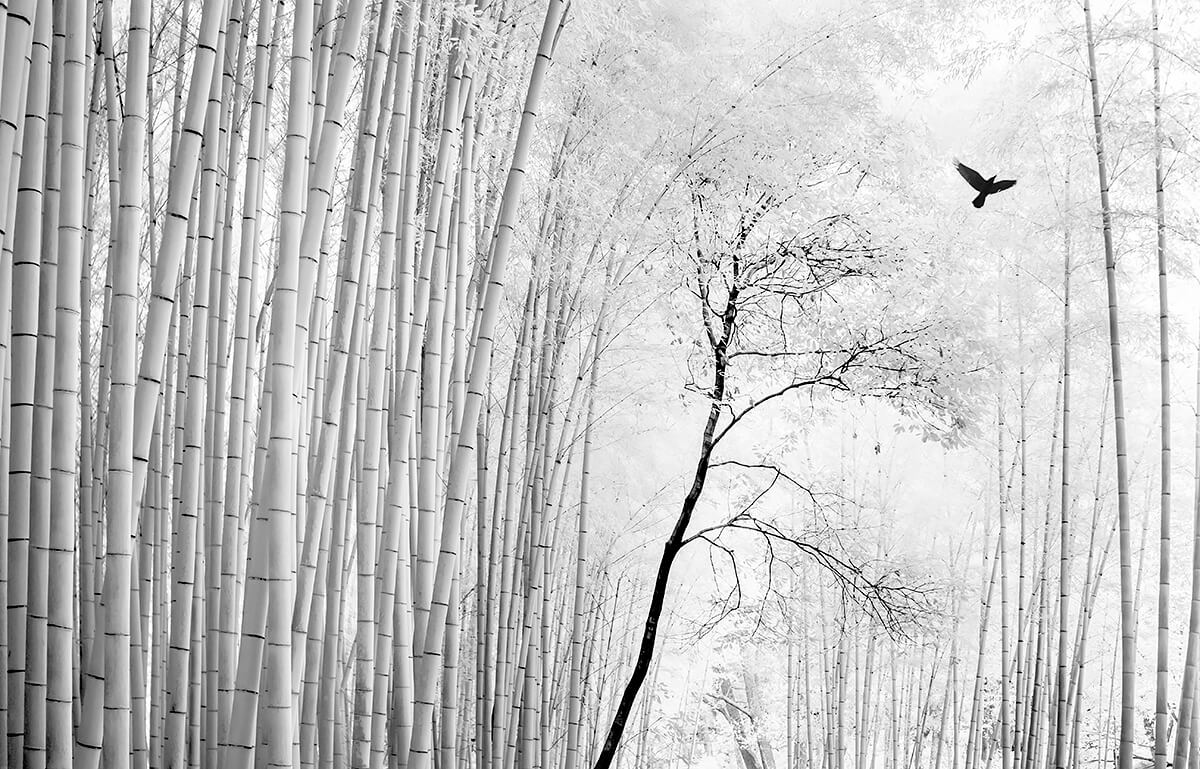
(1128, 619)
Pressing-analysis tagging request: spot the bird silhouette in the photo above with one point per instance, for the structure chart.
(983, 186)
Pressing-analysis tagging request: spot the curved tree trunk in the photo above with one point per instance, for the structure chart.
(658, 591)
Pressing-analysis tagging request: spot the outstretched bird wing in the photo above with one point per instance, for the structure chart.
(1003, 184)
(972, 176)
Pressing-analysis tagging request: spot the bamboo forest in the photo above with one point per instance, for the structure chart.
(590, 384)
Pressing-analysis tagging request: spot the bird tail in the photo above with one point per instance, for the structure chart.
(978, 201)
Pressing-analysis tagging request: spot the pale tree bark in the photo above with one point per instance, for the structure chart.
(65, 429)
(1128, 619)
(1185, 738)
(108, 694)
(34, 749)
(242, 362)
(27, 258)
(1162, 714)
(1007, 736)
(574, 688)
(231, 132)
(15, 41)
(188, 535)
(463, 459)
(169, 257)
(1061, 757)
(279, 497)
(266, 643)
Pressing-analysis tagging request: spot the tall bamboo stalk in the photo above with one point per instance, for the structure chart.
(1128, 620)
(1061, 758)
(1162, 714)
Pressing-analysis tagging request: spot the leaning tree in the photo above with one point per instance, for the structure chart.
(786, 300)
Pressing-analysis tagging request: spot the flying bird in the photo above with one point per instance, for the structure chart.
(983, 186)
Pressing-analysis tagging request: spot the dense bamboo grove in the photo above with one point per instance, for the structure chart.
(250, 315)
(408, 383)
